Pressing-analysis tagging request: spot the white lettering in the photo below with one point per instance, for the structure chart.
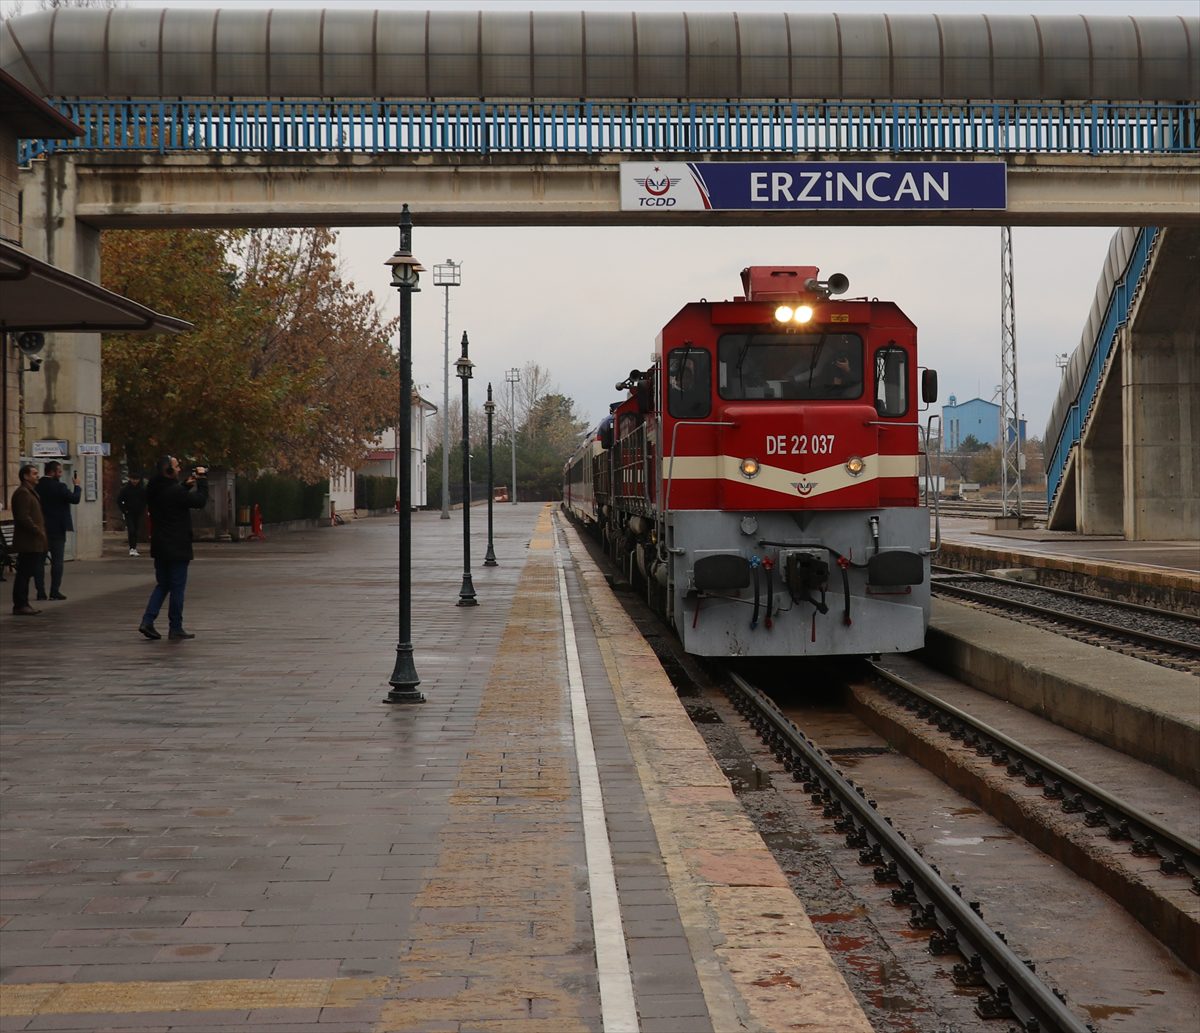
(811, 179)
(776, 444)
(781, 186)
(758, 186)
(931, 185)
(907, 188)
(871, 186)
(846, 185)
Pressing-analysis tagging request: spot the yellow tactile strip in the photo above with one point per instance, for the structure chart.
(499, 948)
(184, 996)
(761, 964)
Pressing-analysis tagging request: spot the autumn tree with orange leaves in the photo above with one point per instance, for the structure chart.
(289, 367)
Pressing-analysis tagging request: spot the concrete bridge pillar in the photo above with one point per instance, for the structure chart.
(62, 401)
(1161, 423)
(1100, 475)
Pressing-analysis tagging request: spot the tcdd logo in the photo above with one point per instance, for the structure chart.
(657, 186)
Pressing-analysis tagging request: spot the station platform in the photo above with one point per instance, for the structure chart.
(236, 832)
(1162, 574)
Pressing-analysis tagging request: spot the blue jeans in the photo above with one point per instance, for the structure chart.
(170, 578)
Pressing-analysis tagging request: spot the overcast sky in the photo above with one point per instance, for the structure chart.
(587, 303)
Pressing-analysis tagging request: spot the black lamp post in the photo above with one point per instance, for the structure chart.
(406, 272)
(466, 595)
(489, 407)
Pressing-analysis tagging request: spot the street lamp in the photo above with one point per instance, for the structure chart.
(513, 376)
(489, 407)
(406, 278)
(447, 275)
(466, 595)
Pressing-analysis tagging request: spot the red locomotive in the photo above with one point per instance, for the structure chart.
(762, 479)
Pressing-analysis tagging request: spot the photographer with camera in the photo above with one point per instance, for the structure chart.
(171, 502)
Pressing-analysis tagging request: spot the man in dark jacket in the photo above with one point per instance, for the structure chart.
(57, 500)
(132, 503)
(29, 538)
(171, 503)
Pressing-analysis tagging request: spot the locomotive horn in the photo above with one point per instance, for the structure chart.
(838, 283)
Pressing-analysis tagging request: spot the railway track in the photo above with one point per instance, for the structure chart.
(1008, 987)
(1174, 642)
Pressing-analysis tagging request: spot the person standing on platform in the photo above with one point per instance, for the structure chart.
(57, 500)
(132, 503)
(29, 538)
(171, 503)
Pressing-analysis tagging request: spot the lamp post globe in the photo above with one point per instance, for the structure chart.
(489, 407)
(466, 595)
(406, 278)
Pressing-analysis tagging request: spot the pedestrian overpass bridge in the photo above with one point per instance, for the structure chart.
(241, 117)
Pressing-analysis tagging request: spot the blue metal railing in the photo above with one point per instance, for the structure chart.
(479, 127)
(1116, 315)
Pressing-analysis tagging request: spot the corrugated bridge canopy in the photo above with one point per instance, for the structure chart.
(342, 52)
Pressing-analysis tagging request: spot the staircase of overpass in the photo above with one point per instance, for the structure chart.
(1123, 436)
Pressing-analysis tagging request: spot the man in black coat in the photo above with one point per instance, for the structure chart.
(57, 500)
(171, 503)
(132, 503)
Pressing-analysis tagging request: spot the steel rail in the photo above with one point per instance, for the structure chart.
(1146, 638)
(1066, 593)
(1013, 991)
(1150, 838)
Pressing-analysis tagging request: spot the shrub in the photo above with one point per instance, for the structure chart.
(374, 492)
(283, 498)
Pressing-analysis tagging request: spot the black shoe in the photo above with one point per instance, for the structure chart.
(25, 611)
(149, 631)
(42, 597)
(176, 636)
(57, 595)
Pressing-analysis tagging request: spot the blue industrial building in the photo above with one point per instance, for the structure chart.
(976, 418)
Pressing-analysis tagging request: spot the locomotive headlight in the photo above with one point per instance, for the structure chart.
(783, 313)
(855, 466)
(802, 314)
(749, 468)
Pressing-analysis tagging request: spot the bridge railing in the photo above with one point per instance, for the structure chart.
(478, 127)
(1116, 315)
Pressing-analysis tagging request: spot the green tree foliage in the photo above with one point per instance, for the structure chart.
(289, 368)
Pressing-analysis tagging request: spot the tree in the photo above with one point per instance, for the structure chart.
(289, 368)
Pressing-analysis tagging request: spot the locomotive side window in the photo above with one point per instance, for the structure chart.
(805, 366)
(689, 383)
(891, 381)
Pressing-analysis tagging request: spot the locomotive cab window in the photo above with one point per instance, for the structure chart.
(689, 383)
(891, 381)
(804, 366)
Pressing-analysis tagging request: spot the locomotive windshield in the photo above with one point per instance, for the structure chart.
(809, 366)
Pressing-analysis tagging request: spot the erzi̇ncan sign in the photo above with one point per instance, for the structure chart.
(728, 186)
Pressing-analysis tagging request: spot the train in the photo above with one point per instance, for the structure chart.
(764, 480)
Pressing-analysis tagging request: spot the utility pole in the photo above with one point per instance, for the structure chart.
(513, 376)
(447, 275)
(1010, 423)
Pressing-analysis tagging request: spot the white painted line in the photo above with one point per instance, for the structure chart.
(617, 1007)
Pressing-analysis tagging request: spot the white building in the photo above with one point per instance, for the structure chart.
(381, 461)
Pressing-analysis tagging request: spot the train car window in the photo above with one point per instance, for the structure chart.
(891, 381)
(804, 366)
(689, 383)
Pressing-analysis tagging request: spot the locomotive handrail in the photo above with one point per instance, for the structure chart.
(666, 506)
(937, 511)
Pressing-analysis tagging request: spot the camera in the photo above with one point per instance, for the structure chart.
(201, 471)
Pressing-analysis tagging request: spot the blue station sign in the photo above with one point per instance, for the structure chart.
(738, 186)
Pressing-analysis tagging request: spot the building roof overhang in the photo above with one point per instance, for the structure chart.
(36, 296)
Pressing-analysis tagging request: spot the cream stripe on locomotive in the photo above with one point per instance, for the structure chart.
(791, 482)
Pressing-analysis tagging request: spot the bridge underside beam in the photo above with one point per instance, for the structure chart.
(148, 190)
